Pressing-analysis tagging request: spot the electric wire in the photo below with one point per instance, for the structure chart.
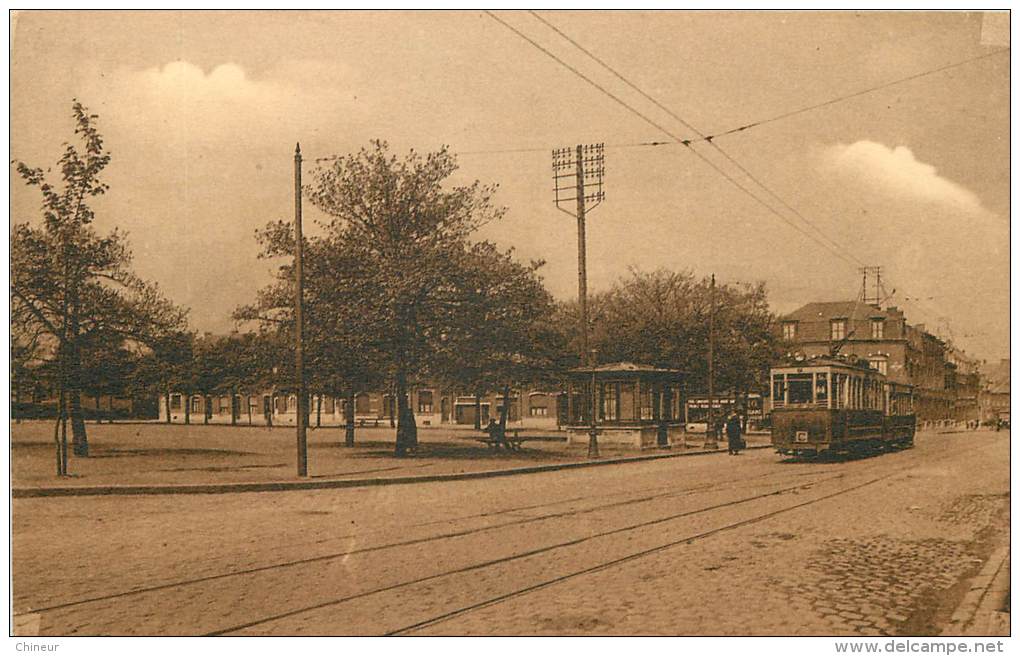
(706, 138)
(676, 138)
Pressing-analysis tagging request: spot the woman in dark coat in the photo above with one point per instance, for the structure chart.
(733, 433)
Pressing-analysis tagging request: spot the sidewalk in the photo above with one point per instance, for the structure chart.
(984, 610)
(134, 459)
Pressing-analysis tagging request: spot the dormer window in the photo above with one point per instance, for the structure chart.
(837, 329)
(790, 330)
(877, 329)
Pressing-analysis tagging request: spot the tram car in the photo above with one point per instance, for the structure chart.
(829, 404)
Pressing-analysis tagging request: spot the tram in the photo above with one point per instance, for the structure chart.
(838, 405)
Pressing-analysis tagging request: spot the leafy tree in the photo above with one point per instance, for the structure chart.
(395, 287)
(497, 334)
(411, 233)
(69, 284)
(341, 332)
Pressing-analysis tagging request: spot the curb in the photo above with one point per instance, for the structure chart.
(282, 486)
(978, 614)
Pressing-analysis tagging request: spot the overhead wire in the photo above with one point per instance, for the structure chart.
(708, 139)
(849, 96)
(669, 133)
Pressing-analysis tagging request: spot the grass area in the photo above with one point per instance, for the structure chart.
(163, 454)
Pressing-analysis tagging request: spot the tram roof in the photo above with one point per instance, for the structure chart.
(827, 361)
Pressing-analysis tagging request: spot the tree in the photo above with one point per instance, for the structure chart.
(498, 334)
(70, 284)
(411, 233)
(395, 284)
(342, 354)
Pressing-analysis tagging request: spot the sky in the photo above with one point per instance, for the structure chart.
(201, 112)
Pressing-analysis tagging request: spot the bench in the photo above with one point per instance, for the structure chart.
(512, 440)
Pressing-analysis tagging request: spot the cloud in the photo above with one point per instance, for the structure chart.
(899, 173)
(181, 107)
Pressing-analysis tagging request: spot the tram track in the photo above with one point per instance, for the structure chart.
(686, 540)
(689, 539)
(521, 555)
(671, 492)
(659, 493)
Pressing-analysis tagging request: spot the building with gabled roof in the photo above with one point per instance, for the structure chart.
(905, 353)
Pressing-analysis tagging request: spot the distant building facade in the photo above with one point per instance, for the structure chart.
(994, 398)
(905, 353)
(431, 405)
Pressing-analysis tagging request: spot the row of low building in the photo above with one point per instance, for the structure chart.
(432, 406)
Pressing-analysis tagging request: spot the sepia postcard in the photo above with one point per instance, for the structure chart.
(510, 322)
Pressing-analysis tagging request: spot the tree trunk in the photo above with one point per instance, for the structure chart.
(407, 432)
(187, 409)
(272, 409)
(504, 410)
(60, 449)
(391, 407)
(109, 419)
(99, 417)
(349, 417)
(63, 433)
(80, 437)
(206, 409)
(247, 401)
(166, 401)
(318, 411)
(234, 409)
(478, 410)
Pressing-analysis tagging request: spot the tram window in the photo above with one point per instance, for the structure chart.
(778, 389)
(822, 388)
(799, 390)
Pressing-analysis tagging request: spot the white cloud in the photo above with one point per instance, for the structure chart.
(898, 172)
(181, 107)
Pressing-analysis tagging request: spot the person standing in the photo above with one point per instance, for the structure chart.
(733, 434)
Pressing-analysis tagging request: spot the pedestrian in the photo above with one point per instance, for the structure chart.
(734, 442)
(493, 430)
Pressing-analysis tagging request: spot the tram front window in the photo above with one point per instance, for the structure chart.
(799, 388)
(779, 389)
(822, 389)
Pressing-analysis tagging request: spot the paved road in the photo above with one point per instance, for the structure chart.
(692, 546)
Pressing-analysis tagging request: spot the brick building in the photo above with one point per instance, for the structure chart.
(432, 406)
(906, 354)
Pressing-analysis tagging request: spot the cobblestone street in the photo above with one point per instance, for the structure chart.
(713, 545)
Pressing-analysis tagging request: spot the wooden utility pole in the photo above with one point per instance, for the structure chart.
(588, 164)
(582, 259)
(593, 434)
(299, 325)
(710, 441)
